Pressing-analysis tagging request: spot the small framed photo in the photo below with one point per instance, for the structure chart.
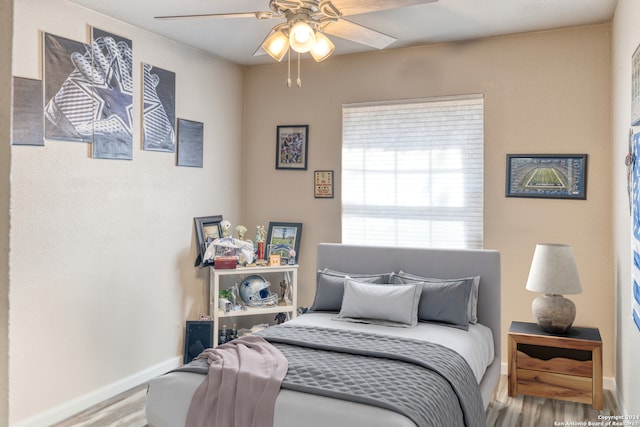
(208, 229)
(323, 184)
(291, 147)
(274, 260)
(283, 238)
(555, 176)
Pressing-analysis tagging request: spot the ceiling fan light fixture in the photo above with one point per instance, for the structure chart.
(276, 45)
(323, 48)
(302, 38)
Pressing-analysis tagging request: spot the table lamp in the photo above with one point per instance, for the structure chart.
(553, 273)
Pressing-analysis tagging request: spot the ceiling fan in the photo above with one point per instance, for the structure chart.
(307, 21)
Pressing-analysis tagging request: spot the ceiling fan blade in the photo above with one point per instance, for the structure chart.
(356, 7)
(357, 33)
(259, 15)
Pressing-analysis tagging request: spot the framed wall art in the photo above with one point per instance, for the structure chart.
(159, 109)
(113, 126)
(207, 230)
(28, 112)
(190, 143)
(556, 176)
(68, 91)
(282, 238)
(323, 184)
(291, 147)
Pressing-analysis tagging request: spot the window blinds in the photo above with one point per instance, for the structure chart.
(412, 173)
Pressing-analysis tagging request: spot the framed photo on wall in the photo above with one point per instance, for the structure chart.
(282, 238)
(556, 176)
(292, 142)
(207, 230)
(323, 184)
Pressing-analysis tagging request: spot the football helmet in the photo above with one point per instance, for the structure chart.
(254, 291)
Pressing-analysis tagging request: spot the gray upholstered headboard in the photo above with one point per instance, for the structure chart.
(436, 263)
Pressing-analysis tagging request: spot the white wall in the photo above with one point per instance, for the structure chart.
(6, 26)
(625, 39)
(544, 92)
(102, 251)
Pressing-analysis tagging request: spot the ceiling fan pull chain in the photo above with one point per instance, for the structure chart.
(289, 68)
(299, 81)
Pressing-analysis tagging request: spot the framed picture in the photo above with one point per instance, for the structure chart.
(557, 176)
(190, 142)
(207, 230)
(282, 238)
(291, 147)
(323, 184)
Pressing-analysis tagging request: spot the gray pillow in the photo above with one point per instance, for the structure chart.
(472, 309)
(330, 288)
(446, 302)
(392, 305)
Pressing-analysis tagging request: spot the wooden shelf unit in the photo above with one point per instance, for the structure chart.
(215, 278)
(566, 367)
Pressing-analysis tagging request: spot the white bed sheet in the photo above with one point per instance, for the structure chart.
(474, 345)
(169, 395)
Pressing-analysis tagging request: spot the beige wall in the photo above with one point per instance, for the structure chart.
(625, 39)
(6, 26)
(102, 251)
(546, 92)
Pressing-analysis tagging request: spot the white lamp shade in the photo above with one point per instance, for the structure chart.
(553, 270)
(323, 48)
(302, 37)
(276, 45)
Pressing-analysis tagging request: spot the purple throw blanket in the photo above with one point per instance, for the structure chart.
(241, 385)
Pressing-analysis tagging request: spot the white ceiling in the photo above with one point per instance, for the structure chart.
(445, 20)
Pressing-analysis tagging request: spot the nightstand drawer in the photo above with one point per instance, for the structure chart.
(560, 365)
(555, 386)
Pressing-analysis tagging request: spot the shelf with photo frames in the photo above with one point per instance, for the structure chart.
(273, 274)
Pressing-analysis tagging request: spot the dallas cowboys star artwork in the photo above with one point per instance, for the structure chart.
(68, 93)
(159, 110)
(112, 66)
(88, 93)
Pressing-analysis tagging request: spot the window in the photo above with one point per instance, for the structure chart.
(412, 173)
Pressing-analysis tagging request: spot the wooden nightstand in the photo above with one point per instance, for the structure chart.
(567, 367)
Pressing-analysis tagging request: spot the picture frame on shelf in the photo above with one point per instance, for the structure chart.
(292, 142)
(207, 230)
(323, 184)
(282, 238)
(551, 176)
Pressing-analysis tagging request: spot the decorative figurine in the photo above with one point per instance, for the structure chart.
(280, 318)
(241, 229)
(225, 225)
(283, 293)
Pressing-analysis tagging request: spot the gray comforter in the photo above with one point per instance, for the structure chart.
(430, 384)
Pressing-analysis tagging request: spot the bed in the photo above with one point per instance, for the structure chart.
(478, 344)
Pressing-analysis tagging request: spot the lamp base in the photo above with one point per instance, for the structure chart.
(553, 313)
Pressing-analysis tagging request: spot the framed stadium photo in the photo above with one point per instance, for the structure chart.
(553, 176)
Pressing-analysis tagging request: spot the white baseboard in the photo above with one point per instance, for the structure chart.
(608, 383)
(81, 403)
